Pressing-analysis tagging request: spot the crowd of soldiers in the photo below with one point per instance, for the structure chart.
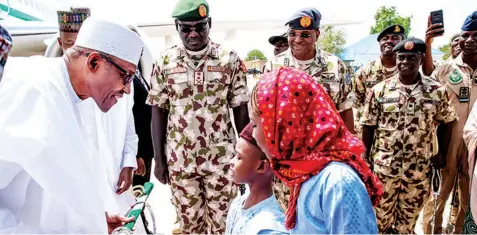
(409, 111)
(410, 123)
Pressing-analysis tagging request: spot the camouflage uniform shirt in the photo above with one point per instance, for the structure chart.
(366, 77)
(198, 95)
(406, 119)
(326, 69)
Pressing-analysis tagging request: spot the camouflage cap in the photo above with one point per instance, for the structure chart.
(191, 10)
(71, 21)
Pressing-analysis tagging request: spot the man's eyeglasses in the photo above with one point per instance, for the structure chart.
(127, 77)
(302, 34)
(199, 28)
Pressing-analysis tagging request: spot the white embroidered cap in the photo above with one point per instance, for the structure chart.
(110, 38)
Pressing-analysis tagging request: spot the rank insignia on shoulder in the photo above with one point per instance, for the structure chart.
(464, 95)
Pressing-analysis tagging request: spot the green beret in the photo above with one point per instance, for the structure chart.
(411, 45)
(191, 10)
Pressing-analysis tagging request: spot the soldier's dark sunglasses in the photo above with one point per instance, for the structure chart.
(199, 28)
(127, 77)
(302, 34)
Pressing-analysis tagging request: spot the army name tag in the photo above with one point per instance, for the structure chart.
(221, 69)
(198, 78)
(464, 95)
(175, 70)
(328, 77)
(428, 101)
(388, 100)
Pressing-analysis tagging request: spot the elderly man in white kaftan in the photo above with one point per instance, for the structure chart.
(112, 135)
(49, 182)
(114, 141)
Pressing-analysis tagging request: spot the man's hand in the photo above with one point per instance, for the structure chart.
(115, 221)
(433, 31)
(439, 161)
(141, 167)
(125, 180)
(161, 173)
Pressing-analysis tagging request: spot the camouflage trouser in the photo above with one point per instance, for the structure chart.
(282, 193)
(448, 180)
(357, 127)
(402, 201)
(202, 200)
(454, 210)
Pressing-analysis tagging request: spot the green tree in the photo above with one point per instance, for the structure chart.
(446, 50)
(255, 54)
(331, 40)
(387, 16)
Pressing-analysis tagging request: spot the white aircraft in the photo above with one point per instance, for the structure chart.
(33, 23)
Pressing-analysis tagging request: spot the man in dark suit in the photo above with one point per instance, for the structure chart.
(142, 122)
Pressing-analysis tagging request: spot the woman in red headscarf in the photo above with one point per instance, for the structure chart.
(312, 152)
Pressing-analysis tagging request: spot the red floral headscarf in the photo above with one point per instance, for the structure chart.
(304, 133)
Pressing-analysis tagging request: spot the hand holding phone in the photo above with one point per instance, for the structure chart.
(435, 25)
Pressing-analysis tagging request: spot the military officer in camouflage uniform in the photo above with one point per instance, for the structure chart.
(376, 71)
(460, 79)
(194, 85)
(325, 68)
(400, 118)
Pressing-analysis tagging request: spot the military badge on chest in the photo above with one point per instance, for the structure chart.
(199, 78)
(464, 95)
